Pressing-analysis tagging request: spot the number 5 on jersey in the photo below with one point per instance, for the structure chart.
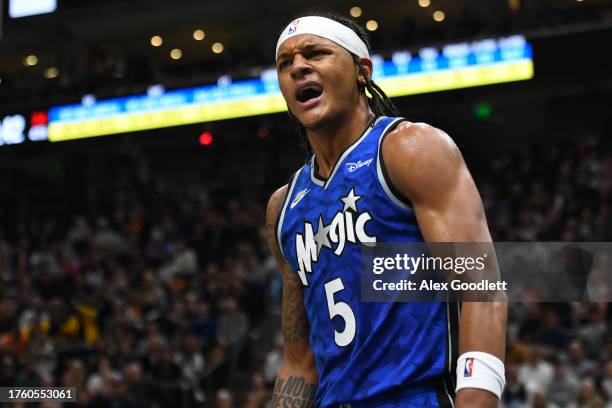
(341, 309)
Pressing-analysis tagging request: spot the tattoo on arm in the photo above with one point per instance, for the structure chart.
(296, 386)
(295, 324)
(293, 392)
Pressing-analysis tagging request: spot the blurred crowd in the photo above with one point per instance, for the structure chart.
(560, 192)
(169, 303)
(138, 307)
(558, 354)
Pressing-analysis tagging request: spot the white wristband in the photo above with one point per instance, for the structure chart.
(484, 371)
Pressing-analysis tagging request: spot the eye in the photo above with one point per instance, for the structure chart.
(283, 64)
(318, 52)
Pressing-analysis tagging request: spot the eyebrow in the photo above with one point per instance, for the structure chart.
(308, 47)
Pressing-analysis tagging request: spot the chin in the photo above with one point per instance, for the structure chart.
(313, 123)
(314, 120)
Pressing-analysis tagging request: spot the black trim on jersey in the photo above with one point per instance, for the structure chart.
(455, 309)
(450, 372)
(284, 203)
(315, 165)
(385, 173)
(315, 170)
(446, 398)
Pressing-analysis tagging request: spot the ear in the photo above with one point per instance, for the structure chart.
(365, 71)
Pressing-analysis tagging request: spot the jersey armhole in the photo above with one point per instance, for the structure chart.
(383, 175)
(281, 214)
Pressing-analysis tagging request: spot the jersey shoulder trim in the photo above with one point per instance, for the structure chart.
(281, 216)
(383, 176)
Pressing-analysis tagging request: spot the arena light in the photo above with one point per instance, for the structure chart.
(155, 90)
(39, 130)
(455, 66)
(224, 80)
(176, 54)
(25, 8)
(355, 11)
(439, 16)
(51, 73)
(372, 25)
(206, 139)
(30, 60)
(483, 111)
(217, 48)
(199, 35)
(88, 100)
(12, 130)
(424, 3)
(156, 41)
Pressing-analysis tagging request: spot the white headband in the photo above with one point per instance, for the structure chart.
(326, 28)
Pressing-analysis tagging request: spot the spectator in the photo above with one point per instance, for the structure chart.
(203, 324)
(515, 395)
(191, 360)
(606, 381)
(139, 392)
(552, 334)
(224, 399)
(593, 333)
(97, 381)
(587, 398)
(273, 360)
(564, 385)
(166, 374)
(535, 373)
(232, 331)
(74, 375)
(258, 393)
(7, 372)
(581, 367)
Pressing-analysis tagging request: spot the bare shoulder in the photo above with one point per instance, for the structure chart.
(421, 159)
(418, 140)
(274, 204)
(274, 207)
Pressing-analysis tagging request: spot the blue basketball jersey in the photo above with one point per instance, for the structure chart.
(363, 351)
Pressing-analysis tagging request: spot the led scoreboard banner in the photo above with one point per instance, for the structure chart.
(23, 128)
(454, 66)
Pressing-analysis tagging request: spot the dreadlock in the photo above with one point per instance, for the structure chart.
(378, 101)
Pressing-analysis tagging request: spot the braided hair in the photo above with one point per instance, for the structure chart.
(378, 101)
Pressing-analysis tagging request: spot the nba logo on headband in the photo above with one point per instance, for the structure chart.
(293, 26)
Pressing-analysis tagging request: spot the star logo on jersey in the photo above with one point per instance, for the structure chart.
(346, 226)
(298, 197)
(350, 201)
(321, 238)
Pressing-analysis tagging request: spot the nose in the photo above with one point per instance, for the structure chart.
(299, 67)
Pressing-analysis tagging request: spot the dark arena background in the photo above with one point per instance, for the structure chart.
(140, 141)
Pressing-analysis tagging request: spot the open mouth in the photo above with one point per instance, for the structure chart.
(308, 92)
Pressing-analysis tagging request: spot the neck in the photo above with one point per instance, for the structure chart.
(330, 141)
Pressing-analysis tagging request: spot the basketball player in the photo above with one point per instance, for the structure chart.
(372, 177)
